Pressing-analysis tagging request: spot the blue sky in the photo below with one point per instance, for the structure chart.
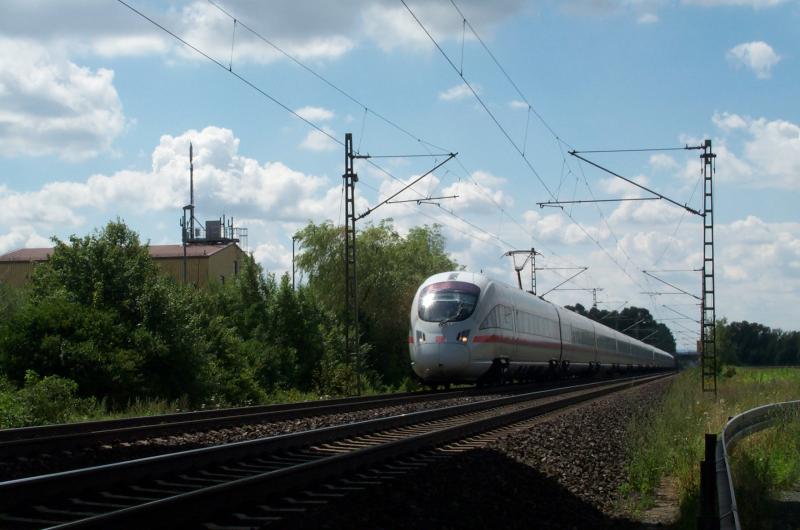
(97, 107)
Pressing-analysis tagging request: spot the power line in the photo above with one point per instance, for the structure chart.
(313, 72)
(644, 149)
(504, 131)
(480, 100)
(230, 71)
(367, 110)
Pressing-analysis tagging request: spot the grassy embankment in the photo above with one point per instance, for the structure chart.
(667, 445)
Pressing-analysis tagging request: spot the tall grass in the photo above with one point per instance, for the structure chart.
(667, 443)
(764, 464)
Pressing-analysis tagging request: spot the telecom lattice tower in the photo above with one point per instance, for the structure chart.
(708, 354)
(350, 277)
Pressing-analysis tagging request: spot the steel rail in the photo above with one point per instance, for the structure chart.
(200, 501)
(29, 440)
(52, 438)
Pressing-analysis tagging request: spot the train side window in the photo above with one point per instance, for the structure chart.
(492, 320)
(501, 316)
(566, 331)
(507, 320)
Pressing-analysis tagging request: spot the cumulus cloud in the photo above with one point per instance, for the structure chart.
(644, 10)
(662, 162)
(771, 153)
(457, 93)
(728, 122)
(51, 106)
(319, 141)
(758, 56)
(21, 237)
(755, 4)
(307, 29)
(315, 113)
(224, 180)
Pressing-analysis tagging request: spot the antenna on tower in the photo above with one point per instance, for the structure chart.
(191, 183)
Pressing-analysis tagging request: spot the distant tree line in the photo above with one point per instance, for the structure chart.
(636, 322)
(751, 343)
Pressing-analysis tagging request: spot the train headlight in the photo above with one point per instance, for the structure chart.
(463, 337)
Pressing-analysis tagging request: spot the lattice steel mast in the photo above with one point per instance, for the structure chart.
(708, 327)
(350, 277)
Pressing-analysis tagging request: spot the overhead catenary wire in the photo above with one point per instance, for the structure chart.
(556, 136)
(505, 132)
(322, 78)
(367, 109)
(257, 88)
(552, 131)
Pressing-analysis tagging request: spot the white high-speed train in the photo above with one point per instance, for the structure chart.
(468, 328)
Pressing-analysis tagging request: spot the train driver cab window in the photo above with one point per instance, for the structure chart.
(448, 301)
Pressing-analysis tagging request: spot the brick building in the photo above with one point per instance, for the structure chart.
(204, 263)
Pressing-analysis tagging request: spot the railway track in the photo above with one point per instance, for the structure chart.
(208, 485)
(47, 438)
(54, 438)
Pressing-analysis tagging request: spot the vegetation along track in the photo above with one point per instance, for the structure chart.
(53, 438)
(205, 484)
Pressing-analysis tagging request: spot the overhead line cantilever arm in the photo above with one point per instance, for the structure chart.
(424, 199)
(598, 166)
(559, 203)
(404, 188)
(583, 269)
(673, 286)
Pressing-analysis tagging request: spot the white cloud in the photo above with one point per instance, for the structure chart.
(758, 56)
(479, 195)
(775, 151)
(319, 141)
(662, 162)
(129, 45)
(771, 157)
(755, 4)
(307, 29)
(224, 180)
(315, 113)
(21, 237)
(650, 212)
(728, 122)
(51, 106)
(516, 104)
(647, 18)
(457, 93)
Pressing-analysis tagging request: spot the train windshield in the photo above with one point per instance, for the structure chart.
(448, 301)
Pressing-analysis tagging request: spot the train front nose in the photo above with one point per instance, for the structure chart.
(440, 357)
(426, 361)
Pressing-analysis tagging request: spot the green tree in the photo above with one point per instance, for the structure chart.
(390, 269)
(101, 315)
(636, 322)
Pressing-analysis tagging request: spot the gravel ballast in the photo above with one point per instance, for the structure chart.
(115, 452)
(564, 472)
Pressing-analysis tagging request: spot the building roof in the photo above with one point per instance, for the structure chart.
(28, 254)
(156, 252)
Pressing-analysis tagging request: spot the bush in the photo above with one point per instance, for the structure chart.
(41, 401)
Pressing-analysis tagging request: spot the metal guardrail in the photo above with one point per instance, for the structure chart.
(718, 508)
